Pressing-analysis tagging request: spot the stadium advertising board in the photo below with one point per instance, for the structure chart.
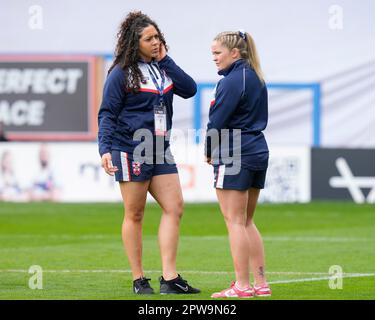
(288, 175)
(71, 172)
(343, 174)
(48, 97)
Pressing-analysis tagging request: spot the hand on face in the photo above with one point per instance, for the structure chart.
(150, 46)
(162, 52)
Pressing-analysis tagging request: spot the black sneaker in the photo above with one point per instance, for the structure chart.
(142, 286)
(176, 286)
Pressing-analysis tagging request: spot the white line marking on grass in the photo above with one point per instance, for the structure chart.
(318, 239)
(326, 277)
(154, 271)
(198, 238)
(347, 275)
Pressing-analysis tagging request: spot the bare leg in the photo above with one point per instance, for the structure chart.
(257, 264)
(134, 196)
(167, 192)
(233, 205)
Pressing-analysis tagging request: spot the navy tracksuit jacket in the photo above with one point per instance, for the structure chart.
(122, 113)
(241, 102)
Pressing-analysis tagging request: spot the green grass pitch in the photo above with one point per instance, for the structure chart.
(80, 250)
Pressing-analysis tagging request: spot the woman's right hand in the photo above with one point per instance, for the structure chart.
(162, 52)
(107, 164)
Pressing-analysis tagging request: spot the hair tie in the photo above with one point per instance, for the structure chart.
(242, 34)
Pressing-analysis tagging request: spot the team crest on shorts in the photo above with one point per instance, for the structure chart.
(136, 168)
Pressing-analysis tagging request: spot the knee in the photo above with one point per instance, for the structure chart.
(134, 215)
(231, 219)
(176, 209)
(228, 220)
(249, 222)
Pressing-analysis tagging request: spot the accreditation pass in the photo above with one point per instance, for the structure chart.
(160, 118)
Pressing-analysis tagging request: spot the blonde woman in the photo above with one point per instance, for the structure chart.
(240, 103)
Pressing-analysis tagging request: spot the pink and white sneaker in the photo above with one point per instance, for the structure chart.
(234, 292)
(263, 290)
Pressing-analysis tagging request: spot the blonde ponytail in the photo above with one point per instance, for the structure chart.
(246, 46)
(253, 57)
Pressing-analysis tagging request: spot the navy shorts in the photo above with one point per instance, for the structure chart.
(244, 180)
(130, 170)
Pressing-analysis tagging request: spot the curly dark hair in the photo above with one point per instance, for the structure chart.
(127, 48)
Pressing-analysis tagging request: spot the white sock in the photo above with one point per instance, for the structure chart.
(239, 288)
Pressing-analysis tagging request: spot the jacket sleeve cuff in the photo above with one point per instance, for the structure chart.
(104, 151)
(166, 59)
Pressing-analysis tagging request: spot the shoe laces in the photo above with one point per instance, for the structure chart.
(180, 279)
(144, 282)
(232, 286)
(262, 286)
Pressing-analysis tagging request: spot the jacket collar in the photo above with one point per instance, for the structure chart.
(153, 61)
(236, 64)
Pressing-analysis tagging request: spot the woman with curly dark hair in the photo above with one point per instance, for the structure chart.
(135, 119)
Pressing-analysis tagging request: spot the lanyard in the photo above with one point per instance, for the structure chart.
(160, 88)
